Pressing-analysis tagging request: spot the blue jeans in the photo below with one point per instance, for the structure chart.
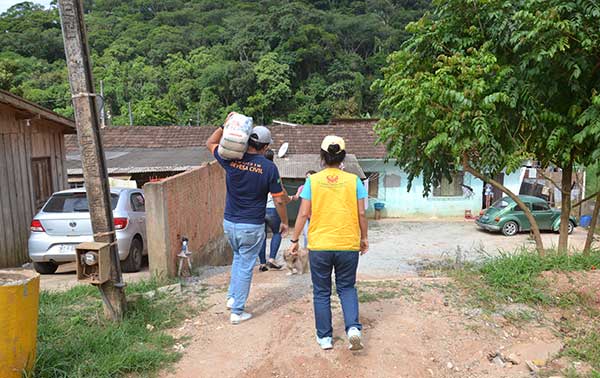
(245, 240)
(272, 221)
(345, 263)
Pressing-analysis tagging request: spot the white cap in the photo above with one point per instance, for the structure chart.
(333, 140)
(261, 134)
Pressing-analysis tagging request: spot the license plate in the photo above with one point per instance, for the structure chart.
(67, 248)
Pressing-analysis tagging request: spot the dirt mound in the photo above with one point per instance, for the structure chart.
(583, 284)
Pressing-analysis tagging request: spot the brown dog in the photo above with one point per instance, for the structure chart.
(296, 262)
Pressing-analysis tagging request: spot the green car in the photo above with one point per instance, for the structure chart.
(506, 216)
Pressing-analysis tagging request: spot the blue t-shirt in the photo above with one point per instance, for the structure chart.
(249, 180)
(361, 192)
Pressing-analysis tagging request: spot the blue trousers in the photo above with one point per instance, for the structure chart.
(345, 264)
(245, 240)
(272, 221)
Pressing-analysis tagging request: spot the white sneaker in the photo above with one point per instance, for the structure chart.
(355, 338)
(237, 319)
(230, 303)
(325, 342)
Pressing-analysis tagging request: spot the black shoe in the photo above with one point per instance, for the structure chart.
(273, 266)
(263, 268)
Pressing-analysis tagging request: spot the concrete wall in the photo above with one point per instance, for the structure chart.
(402, 203)
(514, 180)
(189, 204)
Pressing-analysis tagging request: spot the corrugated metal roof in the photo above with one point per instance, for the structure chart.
(147, 160)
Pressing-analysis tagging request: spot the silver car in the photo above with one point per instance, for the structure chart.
(64, 222)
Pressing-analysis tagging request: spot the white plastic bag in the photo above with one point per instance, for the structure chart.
(236, 132)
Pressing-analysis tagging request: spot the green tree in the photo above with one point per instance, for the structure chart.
(558, 48)
(444, 113)
(486, 84)
(181, 51)
(273, 81)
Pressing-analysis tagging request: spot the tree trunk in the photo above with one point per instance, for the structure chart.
(539, 244)
(590, 235)
(565, 208)
(585, 199)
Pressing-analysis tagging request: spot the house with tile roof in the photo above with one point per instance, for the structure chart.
(142, 153)
(145, 152)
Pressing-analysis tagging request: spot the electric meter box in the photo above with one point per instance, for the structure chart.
(96, 268)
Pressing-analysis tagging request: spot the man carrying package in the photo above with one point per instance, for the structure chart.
(249, 180)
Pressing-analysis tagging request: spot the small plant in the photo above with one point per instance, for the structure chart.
(76, 341)
(504, 281)
(515, 277)
(374, 291)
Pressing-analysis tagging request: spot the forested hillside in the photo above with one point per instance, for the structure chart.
(192, 61)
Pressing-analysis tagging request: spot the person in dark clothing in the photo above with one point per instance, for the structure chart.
(249, 181)
(272, 221)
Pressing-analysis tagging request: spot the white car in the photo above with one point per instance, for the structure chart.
(64, 222)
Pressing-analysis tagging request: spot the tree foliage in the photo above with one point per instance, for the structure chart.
(192, 61)
(490, 83)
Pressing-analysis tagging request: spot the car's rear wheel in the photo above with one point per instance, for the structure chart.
(571, 227)
(45, 267)
(133, 262)
(510, 228)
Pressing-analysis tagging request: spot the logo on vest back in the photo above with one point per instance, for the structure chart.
(332, 179)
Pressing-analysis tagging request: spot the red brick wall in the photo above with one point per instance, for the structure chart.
(189, 204)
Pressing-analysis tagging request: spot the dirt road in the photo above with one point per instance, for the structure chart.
(414, 327)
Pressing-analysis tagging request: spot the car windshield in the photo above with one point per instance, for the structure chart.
(500, 204)
(73, 203)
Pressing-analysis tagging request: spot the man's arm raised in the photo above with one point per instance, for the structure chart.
(213, 141)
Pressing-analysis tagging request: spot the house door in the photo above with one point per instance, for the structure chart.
(42, 180)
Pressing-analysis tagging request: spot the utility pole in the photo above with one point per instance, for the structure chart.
(90, 145)
(102, 110)
(130, 114)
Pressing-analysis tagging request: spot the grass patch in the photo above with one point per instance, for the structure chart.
(76, 341)
(516, 277)
(586, 348)
(375, 296)
(374, 291)
(503, 281)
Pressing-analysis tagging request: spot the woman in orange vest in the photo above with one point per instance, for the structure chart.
(337, 235)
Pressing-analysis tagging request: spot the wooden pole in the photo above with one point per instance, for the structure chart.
(565, 207)
(90, 145)
(130, 114)
(590, 235)
(102, 110)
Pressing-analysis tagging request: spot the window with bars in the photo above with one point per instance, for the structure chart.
(452, 188)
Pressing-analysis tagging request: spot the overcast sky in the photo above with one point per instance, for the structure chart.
(5, 4)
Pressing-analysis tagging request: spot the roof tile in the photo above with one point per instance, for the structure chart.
(303, 139)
